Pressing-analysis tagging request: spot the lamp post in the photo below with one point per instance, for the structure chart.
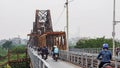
(67, 24)
(114, 23)
(113, 33)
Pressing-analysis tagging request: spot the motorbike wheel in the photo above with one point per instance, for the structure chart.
(56, 57)
(44, 57)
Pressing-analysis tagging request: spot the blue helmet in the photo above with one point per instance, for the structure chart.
(105, 46)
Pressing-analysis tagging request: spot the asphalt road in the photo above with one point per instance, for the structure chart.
(60, 64)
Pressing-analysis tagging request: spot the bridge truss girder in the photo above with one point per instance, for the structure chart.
(42, 33)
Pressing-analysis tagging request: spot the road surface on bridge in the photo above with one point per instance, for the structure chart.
(60, 64)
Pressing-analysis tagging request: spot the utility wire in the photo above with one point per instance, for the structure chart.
(59, 17)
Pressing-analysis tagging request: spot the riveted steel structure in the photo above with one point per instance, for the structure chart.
(43, 34)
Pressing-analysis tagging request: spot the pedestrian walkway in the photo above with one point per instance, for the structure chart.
(60, 64)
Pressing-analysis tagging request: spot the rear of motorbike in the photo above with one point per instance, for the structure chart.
(44, 56)
(107, 65)
(55, 57)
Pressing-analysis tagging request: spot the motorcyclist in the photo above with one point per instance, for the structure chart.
(105, 54)
(52, 51)
(45, 52)
(39, 50)
(55, 51)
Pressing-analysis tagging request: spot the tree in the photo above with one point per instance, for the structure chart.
(95, 43)
(7, 44)
(19, 49)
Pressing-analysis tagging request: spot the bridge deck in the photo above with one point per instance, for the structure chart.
(60, 64)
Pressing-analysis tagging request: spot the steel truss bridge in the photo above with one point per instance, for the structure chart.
(42, 34)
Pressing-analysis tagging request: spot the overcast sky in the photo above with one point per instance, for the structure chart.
(87, 18)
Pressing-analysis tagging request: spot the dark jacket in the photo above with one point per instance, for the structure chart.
(45, 50)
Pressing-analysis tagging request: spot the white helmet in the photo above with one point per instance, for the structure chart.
(55, 46)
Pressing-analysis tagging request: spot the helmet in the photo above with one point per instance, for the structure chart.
(55, 46)
(105, 46)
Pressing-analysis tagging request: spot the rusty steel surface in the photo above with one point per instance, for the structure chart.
(42, 33)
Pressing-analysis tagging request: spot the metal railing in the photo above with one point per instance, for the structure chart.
(36, 60)
(88, 50)
(85, 60)
(117, 61)
(81, 59)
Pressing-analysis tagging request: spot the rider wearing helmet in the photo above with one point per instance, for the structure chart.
(55, 50)
(105, 54)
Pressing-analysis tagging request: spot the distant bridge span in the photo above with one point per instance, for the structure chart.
(42, 33)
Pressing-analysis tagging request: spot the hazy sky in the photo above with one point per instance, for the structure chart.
(87, 18)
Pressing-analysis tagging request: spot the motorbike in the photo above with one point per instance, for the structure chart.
(55, 57)
(44, 56)
(39, 52)
(106, 65)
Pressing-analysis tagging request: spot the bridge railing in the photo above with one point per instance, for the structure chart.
(88, 50)
(81, 59)
(117, 61)
(37, 61)
(85, 60)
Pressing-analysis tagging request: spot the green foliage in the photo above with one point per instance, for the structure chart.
(94, 43)
(19, 49)
(3, 52)
(2, 61)
(20, 65)
(7, 44)
(71, 46)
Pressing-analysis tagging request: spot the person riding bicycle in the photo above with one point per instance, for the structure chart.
(105, 54)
